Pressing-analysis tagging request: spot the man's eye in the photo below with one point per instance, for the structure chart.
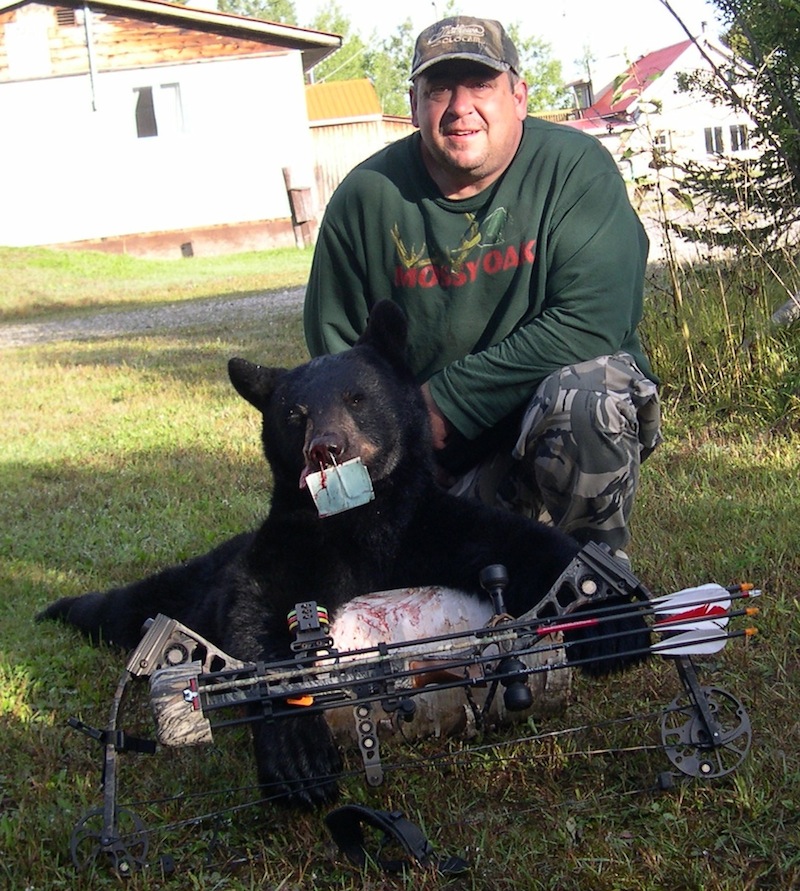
(439, 92)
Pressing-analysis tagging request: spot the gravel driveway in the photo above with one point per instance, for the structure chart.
(186, 314)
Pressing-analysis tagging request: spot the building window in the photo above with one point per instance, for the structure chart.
(739, 139)
(661, 149)
(583, 93)
(714, 140)
(145, 113)
(660, 141)
(169, 109)
(158, 110)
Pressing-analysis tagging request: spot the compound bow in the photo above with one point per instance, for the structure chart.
(196, 689)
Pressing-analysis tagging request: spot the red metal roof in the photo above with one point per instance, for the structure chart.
(638, 77)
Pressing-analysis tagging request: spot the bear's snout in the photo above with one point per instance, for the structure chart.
(325, 449)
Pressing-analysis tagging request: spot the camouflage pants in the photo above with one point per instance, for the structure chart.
(575, 463)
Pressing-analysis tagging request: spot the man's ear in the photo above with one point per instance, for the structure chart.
(520, 93)
(412, 99)
(255, 383)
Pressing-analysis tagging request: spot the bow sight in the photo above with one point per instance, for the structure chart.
(196, 689)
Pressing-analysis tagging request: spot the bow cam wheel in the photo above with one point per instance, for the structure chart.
(691, 748)
(125, 853)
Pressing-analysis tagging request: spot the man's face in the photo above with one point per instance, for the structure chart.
(469, 120)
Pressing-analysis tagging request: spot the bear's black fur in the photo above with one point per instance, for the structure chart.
(363, 402)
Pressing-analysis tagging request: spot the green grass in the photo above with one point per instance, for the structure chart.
(715, 346)
(118, 456)
(39, 282)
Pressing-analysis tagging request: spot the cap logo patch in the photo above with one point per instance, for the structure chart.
(458, 33)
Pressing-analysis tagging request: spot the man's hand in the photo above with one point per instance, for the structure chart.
(440, 426)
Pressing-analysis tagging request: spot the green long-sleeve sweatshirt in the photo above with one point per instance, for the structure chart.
(542, 269)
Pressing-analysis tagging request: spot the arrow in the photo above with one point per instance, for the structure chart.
(704, 605)
(689, 598)
(702, 608)
(692, 643)
(701, 595)
(681, 614)
(697, 631)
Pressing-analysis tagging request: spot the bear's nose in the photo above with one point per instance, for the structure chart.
(324, 449)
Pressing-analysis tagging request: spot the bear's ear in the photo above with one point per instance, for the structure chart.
(255, 383)
(387, 331)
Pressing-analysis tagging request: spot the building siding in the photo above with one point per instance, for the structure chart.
(78, 170)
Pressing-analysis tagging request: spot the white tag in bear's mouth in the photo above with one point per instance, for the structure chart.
(339, 487)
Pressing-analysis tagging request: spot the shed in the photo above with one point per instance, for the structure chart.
(347, 126)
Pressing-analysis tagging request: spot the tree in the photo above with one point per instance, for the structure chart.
(348, 62)
(268, 10)
(389, 66)
(763, 79)
(767, 34)
(546, 90)
(387, 62)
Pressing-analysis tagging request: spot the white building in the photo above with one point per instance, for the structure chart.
(140, 124)
(644, 117)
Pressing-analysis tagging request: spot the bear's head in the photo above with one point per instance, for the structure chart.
(362, 403)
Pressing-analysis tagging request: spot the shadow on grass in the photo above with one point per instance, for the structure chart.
(275, 339)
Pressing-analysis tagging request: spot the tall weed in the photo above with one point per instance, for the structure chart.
(710, 321)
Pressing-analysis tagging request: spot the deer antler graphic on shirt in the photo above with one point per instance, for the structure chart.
(454, 258)
(411, 258)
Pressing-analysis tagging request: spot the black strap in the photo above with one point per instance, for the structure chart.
(118, 738)
(344, 825)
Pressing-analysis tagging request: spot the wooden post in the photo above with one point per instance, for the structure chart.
(300, 203)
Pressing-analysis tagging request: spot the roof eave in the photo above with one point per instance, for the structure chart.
(314, 46)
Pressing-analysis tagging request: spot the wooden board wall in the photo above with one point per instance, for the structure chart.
(119, 42)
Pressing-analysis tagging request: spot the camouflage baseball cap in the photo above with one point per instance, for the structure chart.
(464, 37)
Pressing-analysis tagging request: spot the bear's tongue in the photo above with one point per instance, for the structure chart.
(308, 469)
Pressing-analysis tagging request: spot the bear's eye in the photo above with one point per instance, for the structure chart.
(353, 400)
(296, 415)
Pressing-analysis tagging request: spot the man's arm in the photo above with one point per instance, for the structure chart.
(440, 426)
(336, 307)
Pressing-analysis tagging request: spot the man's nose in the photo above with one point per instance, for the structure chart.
(461, 100)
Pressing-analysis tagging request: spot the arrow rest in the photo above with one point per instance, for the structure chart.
(196, 689)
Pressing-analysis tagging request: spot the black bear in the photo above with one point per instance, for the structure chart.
(363, 403)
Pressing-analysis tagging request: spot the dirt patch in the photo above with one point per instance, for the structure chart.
(186, 314)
